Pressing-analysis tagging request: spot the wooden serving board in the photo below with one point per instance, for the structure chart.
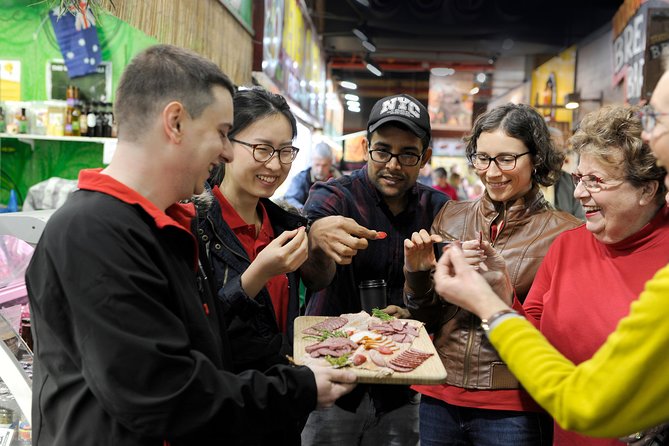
(429, 372)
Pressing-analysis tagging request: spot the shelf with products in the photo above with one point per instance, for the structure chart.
(83, 139)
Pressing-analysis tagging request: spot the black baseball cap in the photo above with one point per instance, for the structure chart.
(401, 108)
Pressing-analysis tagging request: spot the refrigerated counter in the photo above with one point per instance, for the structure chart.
(16, 361)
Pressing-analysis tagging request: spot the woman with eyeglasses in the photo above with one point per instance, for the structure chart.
(592, 274)
(255, 248)
(482, 402)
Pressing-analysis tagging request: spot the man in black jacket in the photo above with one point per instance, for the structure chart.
(127, 350)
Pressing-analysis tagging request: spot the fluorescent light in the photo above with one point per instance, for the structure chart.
(354, 110)
(473, 91)
(369, 46)
(442, 71)
(360, 34)
(374, 69)
(349, 85)
(571, 105)
(351, 97)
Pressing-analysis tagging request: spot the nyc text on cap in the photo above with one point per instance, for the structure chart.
(400, 108)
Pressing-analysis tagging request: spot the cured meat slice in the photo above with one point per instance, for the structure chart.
(399, 331)
(335, 347)
(408, 360)
(329, 324)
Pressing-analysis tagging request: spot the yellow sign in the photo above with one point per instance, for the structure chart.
(10, 80)
(551, 82)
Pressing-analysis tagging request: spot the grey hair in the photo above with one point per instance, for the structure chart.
(322, 150)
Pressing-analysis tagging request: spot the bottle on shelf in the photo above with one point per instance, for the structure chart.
(99, 120)
(76, 112)
(22, 121)
(91, 119)
(69, 98)
(83, 119)
(107, 120)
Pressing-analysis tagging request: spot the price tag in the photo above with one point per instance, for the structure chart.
(6, 436)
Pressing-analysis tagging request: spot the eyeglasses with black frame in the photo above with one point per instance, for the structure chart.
(591, 182)
(649, 116)
(264, 152)
(405, 159)
(505, 161)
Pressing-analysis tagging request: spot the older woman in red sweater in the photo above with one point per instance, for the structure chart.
(592, 273)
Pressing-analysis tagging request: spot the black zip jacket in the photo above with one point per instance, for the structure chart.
(253, 331)
(126, 352)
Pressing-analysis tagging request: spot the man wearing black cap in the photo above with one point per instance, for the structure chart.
(346, 247)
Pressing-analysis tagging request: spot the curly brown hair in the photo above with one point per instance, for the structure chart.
(612, 135)
(524, 123)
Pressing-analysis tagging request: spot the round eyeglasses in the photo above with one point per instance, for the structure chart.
(405, 159)
(591, 182)
(264, 152)
(505, 161)
(648, 117)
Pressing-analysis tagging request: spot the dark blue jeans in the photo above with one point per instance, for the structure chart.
(443, 424)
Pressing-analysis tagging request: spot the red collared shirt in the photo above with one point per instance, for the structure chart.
(277, 286)
(175, 215)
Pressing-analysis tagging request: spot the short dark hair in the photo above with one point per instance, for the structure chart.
(524, 123)
(612, 135)
(161, 74)
(252, 104)
(440, 172)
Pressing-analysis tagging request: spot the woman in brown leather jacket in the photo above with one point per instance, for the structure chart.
(482, 402)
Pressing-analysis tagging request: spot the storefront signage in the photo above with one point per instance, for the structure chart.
(10, 80)
(292, 56)
(641, 31)
(628, 56)
(242, 10)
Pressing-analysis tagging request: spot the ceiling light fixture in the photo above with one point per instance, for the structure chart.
(442, 71)
(349, 85)
(351, 97)
(474, 91)
(360, 33)
(481, 77)
(573, 101)
(369, 45)
(372, 67)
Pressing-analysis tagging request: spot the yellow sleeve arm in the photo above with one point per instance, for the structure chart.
(622, 389)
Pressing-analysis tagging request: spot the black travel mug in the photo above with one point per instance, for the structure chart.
(372, 294)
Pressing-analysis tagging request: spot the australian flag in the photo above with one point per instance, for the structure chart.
(78, 39)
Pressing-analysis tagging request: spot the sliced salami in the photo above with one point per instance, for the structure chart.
(329, 324)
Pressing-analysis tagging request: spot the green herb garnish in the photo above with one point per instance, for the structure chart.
(324, 334)
(341, 361)
(376, 312)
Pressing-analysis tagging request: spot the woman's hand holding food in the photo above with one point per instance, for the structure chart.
(458, 282)
(284, 254)
(419, 251)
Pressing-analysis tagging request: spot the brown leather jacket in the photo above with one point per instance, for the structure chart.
(530, 226)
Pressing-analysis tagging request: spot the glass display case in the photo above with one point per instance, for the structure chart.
(16, 362)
